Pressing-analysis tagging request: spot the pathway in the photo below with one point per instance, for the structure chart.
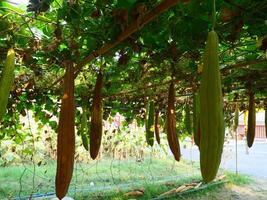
(252, 162)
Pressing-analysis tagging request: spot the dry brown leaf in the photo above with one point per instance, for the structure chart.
(221, 177)
(191, 184)
(187, 188)
(180, 188)
(168, 192)
(198, 185)
(134, 193)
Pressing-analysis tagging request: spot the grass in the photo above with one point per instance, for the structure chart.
(238, 179)
(151, 190)
(109, 179)
(95, 177)
(218, 191)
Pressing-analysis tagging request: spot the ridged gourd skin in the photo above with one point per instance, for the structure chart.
(157, 126)
(150, 123)
(7, 79)
(187, 121)
(211, 111)
(251, 120)
(171, 124)
(96, 118)
(84, 128)
(66, 136)
(236, 117)
(196, 118)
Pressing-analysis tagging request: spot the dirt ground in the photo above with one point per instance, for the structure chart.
(256, 190)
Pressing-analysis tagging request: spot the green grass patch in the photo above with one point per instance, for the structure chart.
(110, 179)
(238, 179)
(105, 175)
(150, 190)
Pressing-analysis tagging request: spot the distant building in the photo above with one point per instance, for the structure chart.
(260, 125)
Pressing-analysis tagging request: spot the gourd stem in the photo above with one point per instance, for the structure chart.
(213, 14)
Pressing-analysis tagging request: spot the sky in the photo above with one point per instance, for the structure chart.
(19, 2)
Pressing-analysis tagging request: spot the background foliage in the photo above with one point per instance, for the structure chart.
(48, 33)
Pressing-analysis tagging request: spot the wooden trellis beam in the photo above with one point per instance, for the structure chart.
(242, 64)
(132, 28)
(187, 77)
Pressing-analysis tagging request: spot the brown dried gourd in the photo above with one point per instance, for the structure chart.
(157, 126)
(251, 120)
(171, 124)
(66, 135)
(96, 118)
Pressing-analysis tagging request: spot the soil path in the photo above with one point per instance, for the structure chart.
(256, 190)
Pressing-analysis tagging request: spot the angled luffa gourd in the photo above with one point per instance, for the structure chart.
(187, 120)
(66, 135)
(150, 124)
(236, 117)
(7, 78)
(84, 128)
(251, 120)
(211, 111)
(96, 118)
(171, 124)
(156, 126)
(196, 118)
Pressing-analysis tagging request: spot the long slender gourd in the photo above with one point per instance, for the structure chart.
(150, 124)
(96, 118)
(187, 121)
(251, 120)
(211, 111)
(66, 135)
(157, 126)
(171, 124)
(196, 118)
(236, 117)
(7, 79)
(84, 128)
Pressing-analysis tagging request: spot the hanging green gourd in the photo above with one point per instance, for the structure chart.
(6, 81)
(236, 117)
(84, 128)
(196, 118)
(211, 109)
(156, 127)
(187, 119)
(251, 119)
(150, 123)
